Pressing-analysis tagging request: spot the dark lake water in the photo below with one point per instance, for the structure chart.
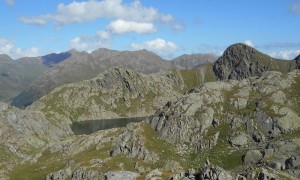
(88, 127)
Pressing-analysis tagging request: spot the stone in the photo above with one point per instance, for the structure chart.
(293, 162)
(289, 121)
(265, 175)
(59, 175)
(239, 103)
(156, 173)
(278, 97)
(239, 139)
(252, 157)
(117, 175)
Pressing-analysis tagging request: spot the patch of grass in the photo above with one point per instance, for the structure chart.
(191, 78)
(49, 162)
(290, 135)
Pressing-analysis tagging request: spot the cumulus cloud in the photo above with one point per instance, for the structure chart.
(288, 54)
(8, 47)
(33, 20)
(121, 27)
(10, 2)
(78, 12)
(88, 43)
(249, 43)
(159, 46)
(295, 8)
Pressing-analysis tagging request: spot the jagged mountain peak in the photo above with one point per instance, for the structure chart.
(240, 61)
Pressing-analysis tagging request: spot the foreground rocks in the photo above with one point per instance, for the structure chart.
(246, 115)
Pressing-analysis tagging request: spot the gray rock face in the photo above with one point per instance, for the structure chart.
(78, 174)
(116, 175)
(214, 173)
(25, 130)
(240, 61)
(252, 157)
(252, 117)
(239, 139)
(83, 174)
(132, 145)
(59, 175)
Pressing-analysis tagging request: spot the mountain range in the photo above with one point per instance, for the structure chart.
(74, 66)
(235, 118)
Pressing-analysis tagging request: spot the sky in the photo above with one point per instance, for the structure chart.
(168, 28)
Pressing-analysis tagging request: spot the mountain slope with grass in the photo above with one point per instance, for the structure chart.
(17, 75)
(83, 66)
(119, 92)
(190, 61)
(198, 128)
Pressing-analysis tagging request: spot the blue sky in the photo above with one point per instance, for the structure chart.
(168, 28)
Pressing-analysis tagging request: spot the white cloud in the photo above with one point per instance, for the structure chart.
(33, 20)
(102, 39)
(295, 8)
(121, 27)
(10, 2)
(249, 43)
(8, 47)
(78, 12)
(288, 54)
(159, 46)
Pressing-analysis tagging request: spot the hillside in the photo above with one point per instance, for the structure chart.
(247, 129)
(82, 66)
(17, 75)
(119, 92)
(190, 61)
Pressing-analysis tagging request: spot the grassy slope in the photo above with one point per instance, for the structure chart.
(18, 76)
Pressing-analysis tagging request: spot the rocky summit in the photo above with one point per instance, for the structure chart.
(238, 118)
(240, 61)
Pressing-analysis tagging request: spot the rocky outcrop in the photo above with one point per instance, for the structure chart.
(191, 118)
(77, 174)
(269, 111)
(240, 61)
(116, 93)
(132, 144)
(115, 175)
(25, 130)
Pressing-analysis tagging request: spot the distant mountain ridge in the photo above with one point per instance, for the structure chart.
(17, 75)
(189, 61)
(82, 66)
